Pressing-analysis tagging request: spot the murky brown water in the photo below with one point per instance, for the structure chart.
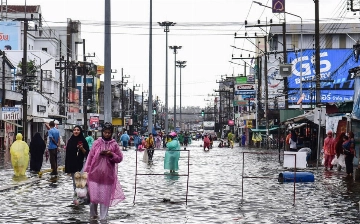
(214, 193)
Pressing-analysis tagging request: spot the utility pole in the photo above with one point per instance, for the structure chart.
(175, 48)
(63, 66)
(61, 80)
(3, 79)
(123, 83)
(150, 73)
(107, 62)
(317, 53)
(85, 95)
(133, 98)
(67, 73)
(142, 109)
(266, 94)
(166, 25)
(24, 74)
(180, 64)
(84, 89)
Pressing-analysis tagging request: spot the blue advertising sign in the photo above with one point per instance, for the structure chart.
(245, 92)
(334, 67)
(10, 32)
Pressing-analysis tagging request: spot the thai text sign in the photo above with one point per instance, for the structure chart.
(335, 64)
(10, 35)
(10, 113)
(244, 89)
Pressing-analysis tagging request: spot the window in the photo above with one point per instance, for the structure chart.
(44, 49)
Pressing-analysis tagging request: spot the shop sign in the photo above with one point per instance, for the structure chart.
(10, 113)
(94, 123)
(41, 108)
(241, 79)
(249, 123)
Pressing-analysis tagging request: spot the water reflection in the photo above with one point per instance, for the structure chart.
(17, 179)
(215, 193)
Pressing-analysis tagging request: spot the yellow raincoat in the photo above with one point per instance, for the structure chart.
(19, 151)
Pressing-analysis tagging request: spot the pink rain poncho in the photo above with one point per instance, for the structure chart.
(103, 184)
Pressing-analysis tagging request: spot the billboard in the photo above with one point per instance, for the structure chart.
(73, 97)
(10, 32)
(334, 67)
(94, 123)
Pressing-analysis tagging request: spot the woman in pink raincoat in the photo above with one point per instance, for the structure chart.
(102, 167)
(329, 150)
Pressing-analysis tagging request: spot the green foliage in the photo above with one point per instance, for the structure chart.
(31, 67)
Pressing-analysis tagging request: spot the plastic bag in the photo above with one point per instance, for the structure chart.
(341, 160)
(145, 157)
(323, 161)
(334, 161)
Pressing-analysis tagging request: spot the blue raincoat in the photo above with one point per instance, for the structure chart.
(171, 161)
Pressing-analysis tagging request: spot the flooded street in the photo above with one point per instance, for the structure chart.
(215, 194)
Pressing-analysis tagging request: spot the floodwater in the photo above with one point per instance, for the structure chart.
(214, 193)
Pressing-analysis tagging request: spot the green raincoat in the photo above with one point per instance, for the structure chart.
(171, 161)
(181, 138)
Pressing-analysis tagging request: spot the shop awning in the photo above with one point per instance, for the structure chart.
(44, 120)
(288, 114)
(307, 116)
(13, 123)
(57, 115)
(263, 130)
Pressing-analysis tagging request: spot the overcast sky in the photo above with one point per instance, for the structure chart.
(204, 28)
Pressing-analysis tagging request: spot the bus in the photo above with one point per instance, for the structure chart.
(209, 128)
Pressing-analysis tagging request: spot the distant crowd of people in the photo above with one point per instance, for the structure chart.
(93, 164)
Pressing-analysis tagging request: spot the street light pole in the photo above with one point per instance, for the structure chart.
(107, 62)
(180, 64)
(166, 25)
(175, 48)
(301, 44)
(150, 73)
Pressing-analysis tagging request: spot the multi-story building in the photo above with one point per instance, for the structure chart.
(53, 82)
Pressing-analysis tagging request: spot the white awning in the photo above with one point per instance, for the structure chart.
(57, 115)
(13, 123)
(12, 95)
(44, 120)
